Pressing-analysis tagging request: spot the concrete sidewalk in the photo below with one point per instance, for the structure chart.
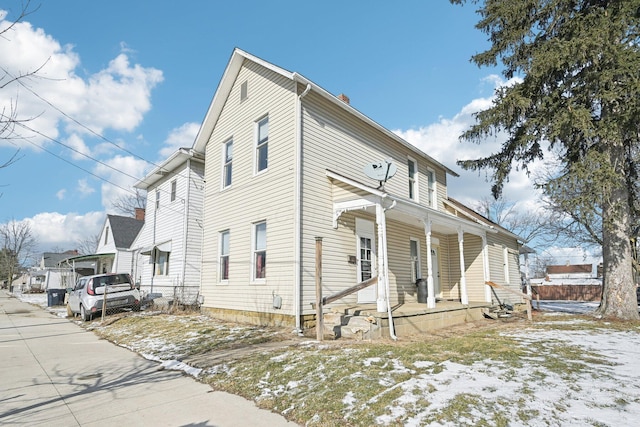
(54, 373)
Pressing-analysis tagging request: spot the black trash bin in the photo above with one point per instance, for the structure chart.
(423, 291)
(55, 297)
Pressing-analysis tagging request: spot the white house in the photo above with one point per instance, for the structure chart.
(168, 249)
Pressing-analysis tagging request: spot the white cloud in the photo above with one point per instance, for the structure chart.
(61, 194)
(80, 149)
(441, 141)
(184, 136)
(116, 97)
(84, 188)
(56, 230)
(121, 172)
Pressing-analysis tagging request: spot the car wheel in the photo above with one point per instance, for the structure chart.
(136, 307)
(83, 313)
(69, 312)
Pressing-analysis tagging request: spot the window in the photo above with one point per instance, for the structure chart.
(161, 263)
(173, 190)
(431, 178)
(157, 199)
(259, 250)
(414, 256)
(224, 255)
(228, 161)
(413, 176)
(106, 235)
(262, 145)
(243, 91)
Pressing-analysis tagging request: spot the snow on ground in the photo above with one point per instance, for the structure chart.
(603, 394)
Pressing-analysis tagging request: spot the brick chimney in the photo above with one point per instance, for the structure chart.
(344, 98)
(140, 214)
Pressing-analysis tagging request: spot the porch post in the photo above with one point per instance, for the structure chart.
(485, 266)
(431, 297)
(464, 298)
(381, 301)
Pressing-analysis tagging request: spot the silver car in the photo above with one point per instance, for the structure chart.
(111, 291)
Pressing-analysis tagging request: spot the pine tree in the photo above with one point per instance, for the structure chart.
(576, 96)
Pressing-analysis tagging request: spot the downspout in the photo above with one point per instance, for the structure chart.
(298, 208)
(185, 226)
(392, 331)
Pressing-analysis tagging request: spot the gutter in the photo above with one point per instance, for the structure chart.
(297, 297)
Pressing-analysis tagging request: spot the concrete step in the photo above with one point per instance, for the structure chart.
(350, 326)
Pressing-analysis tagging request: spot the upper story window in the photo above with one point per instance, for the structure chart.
(413, 179)
(431, 178)
(173, 190)
(228, 164)
(259, 249)
(106, 235)
(262, 144)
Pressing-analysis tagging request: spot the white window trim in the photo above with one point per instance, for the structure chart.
(505, 257)
(256, 132)
(419, 263)
(220, 255)
(416, 174)
(432, 191)
(174, 190)
(252, 263)
(224, 164)
(156, 263)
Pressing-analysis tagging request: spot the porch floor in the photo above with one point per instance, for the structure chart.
(408, 318)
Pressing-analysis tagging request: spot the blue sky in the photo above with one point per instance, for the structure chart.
(141, 75)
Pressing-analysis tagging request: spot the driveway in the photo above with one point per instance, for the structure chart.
(55, 373)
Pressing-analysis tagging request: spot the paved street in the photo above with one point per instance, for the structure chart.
(54, 373)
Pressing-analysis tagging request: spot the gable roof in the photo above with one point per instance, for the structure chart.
(229, 77)
(168, 167)
(51, 259)
(124, 229)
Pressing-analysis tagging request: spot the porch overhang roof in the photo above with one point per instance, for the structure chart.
(403, 210)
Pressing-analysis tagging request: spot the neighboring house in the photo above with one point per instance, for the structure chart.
(168, 249)
(285, 163)
(47, 274)
(571, 282)
(113, 254)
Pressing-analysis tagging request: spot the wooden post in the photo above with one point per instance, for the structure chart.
(319, 318)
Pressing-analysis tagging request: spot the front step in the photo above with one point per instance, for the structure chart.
(342, 325)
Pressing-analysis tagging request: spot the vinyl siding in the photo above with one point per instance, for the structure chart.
(167, 223)
(267, 196)
(334, 140)
(497, 244)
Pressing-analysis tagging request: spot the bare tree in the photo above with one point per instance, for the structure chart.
(17, 245)
(529, 225)
(9, 114)
(88, 245)
(127, 205)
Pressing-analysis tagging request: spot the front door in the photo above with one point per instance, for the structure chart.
(366, 259)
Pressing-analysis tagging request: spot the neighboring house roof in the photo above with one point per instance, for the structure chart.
(570, 269)
(51, 259)
(124, 230)
(229, 77)
(168, 166)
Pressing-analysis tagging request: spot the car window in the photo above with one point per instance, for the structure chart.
(80, 284)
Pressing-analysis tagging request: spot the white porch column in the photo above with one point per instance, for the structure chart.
(381, 301)
(431, 298)
(463, 280)
(485, 266)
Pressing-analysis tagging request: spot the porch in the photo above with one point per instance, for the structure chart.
(363, 321)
